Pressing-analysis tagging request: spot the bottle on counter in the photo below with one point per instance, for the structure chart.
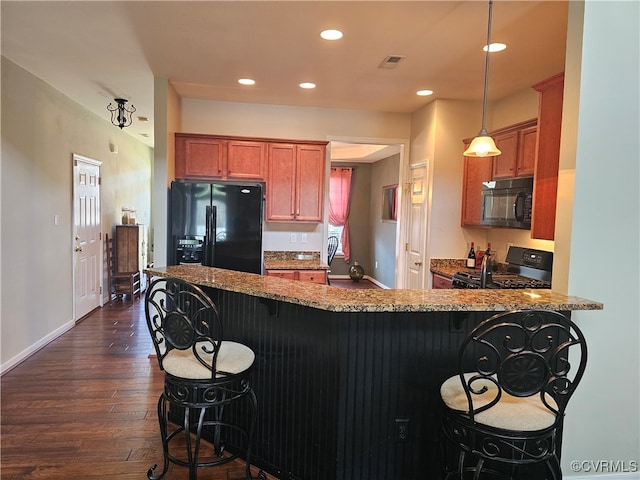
(489, 254)
(471, 258)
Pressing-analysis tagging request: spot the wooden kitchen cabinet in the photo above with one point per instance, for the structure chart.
(246, 160)
(199, 156)
(476, 171)
(504, 165)
(518, 146)
(295, 182)
(214, 157)
(131, 250)
(545, 185)
(440, 282)
(314, 276)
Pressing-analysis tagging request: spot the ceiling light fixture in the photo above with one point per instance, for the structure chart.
(121, 115)
(483, 145)
(424, 93)
(331, 34)
(495, 47)
(307, 85)
(246, 81)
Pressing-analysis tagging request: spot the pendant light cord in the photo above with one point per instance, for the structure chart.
(483, 131)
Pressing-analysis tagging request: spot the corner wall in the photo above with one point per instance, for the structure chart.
(45, 130)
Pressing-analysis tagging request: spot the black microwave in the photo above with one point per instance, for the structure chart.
(507, 203)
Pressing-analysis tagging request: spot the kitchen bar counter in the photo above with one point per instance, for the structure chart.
(337, 371)
(325, 297)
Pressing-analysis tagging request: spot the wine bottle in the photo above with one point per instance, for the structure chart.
(471, 258)
(488, 252)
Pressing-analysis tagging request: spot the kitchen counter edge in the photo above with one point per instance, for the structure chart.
(326, 297)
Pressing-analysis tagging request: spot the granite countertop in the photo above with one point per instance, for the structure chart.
(326, 297)
(448, 267)
(276, 260)
(294, 265)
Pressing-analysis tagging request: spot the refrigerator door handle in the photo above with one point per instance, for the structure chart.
(210, 240)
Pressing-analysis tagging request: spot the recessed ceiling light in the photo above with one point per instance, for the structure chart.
(307, 85)
(331, 34)
(424, 93)
(495, 47)
(246, 81)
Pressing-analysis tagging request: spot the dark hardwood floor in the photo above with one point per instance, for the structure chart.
(84, 406)
(348, 283)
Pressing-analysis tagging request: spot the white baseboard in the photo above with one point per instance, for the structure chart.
(27, 352)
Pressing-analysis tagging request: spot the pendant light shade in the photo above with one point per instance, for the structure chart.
(483, 145)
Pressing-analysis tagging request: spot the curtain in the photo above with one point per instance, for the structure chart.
(339, 192)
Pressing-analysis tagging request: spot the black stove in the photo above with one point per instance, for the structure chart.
(526, 268)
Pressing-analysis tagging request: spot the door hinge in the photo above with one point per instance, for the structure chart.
(406, 247)
(100, 289)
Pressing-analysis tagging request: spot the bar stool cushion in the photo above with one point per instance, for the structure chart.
(233, 358)
(510, 413)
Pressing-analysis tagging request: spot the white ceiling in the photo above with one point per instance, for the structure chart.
(94, 51)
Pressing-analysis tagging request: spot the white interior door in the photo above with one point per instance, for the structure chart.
(87, 241)
(415, 261)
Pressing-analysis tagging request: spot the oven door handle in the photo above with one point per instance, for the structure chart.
(518, 207)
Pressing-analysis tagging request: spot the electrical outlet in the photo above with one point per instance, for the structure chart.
(376, 264)
(303, 238)
(293, 238)
(402, 430)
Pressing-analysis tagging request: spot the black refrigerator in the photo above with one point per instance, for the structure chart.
(217, 225)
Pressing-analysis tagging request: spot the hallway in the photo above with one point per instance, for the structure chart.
(84, 406)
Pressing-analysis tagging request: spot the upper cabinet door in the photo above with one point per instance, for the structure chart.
(295, 182)
(504, 165)
(281, 182)
(199, 157)
(310, 182)
(246, 160)
(527, 151)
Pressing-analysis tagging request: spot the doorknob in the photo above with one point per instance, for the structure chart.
(78, 249)
(418, 263)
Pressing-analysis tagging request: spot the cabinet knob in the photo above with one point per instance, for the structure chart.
(418, 263)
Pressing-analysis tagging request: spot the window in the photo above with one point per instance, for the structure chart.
(337, 232)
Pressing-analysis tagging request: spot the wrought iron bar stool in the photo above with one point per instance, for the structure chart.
(504, 409)
(206, 386)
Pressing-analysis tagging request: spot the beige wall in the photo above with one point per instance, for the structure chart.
(604, 416)
(41, 130)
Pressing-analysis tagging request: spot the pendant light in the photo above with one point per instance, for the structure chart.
(121, 115)
(483, 145)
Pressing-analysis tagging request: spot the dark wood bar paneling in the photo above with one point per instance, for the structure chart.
(334, 387)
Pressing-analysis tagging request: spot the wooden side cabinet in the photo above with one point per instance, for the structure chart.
(476, 171)
(440, 282)
(131, 250)
(545, 186)
(295, 182)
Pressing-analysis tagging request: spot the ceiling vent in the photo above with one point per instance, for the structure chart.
(392, 61)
